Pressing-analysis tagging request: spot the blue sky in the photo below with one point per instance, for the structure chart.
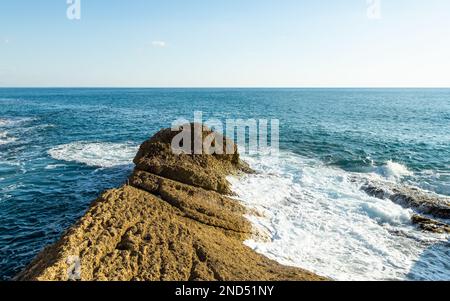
(225, 43)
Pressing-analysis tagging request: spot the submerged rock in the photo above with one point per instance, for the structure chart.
(414, 198)
(411, 197)
(172, 222)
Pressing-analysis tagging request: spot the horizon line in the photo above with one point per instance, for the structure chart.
(214, 87)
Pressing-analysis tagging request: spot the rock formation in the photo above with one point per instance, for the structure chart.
(411, 197)
(430, 225)
(174, 220)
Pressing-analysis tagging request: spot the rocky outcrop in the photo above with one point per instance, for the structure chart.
(173, 221)
(430, 225)
(422, 202)
(412, 197)
(205, 171)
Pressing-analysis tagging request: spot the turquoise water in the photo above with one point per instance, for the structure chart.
(59, 148)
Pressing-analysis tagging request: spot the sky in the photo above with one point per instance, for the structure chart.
(225, 43)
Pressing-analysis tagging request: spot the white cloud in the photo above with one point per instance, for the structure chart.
(159, 44)
(6, 41)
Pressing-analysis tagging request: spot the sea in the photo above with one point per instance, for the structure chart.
(60, 148)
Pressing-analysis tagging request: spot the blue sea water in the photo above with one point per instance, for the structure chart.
(60, 148)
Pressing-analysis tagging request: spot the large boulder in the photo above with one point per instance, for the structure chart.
(156, 156)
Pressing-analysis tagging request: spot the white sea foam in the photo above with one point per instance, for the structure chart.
(4, 122)
(10, 124)
(13, 121)
(95, 154)
(317, 218)
(394, 171)
(6, 139)
(54, 166)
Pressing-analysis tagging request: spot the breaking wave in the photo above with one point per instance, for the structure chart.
(316, 217)
(6, 139)
(394, 171)
(103, 154)
(13, 121)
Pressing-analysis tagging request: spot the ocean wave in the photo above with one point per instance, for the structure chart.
(316, 217)
(6, 139)
(103, 154)
(393, 170)
(54, 166)
(9, 122)
(422, 201)
(4, 122)
(13, 129)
